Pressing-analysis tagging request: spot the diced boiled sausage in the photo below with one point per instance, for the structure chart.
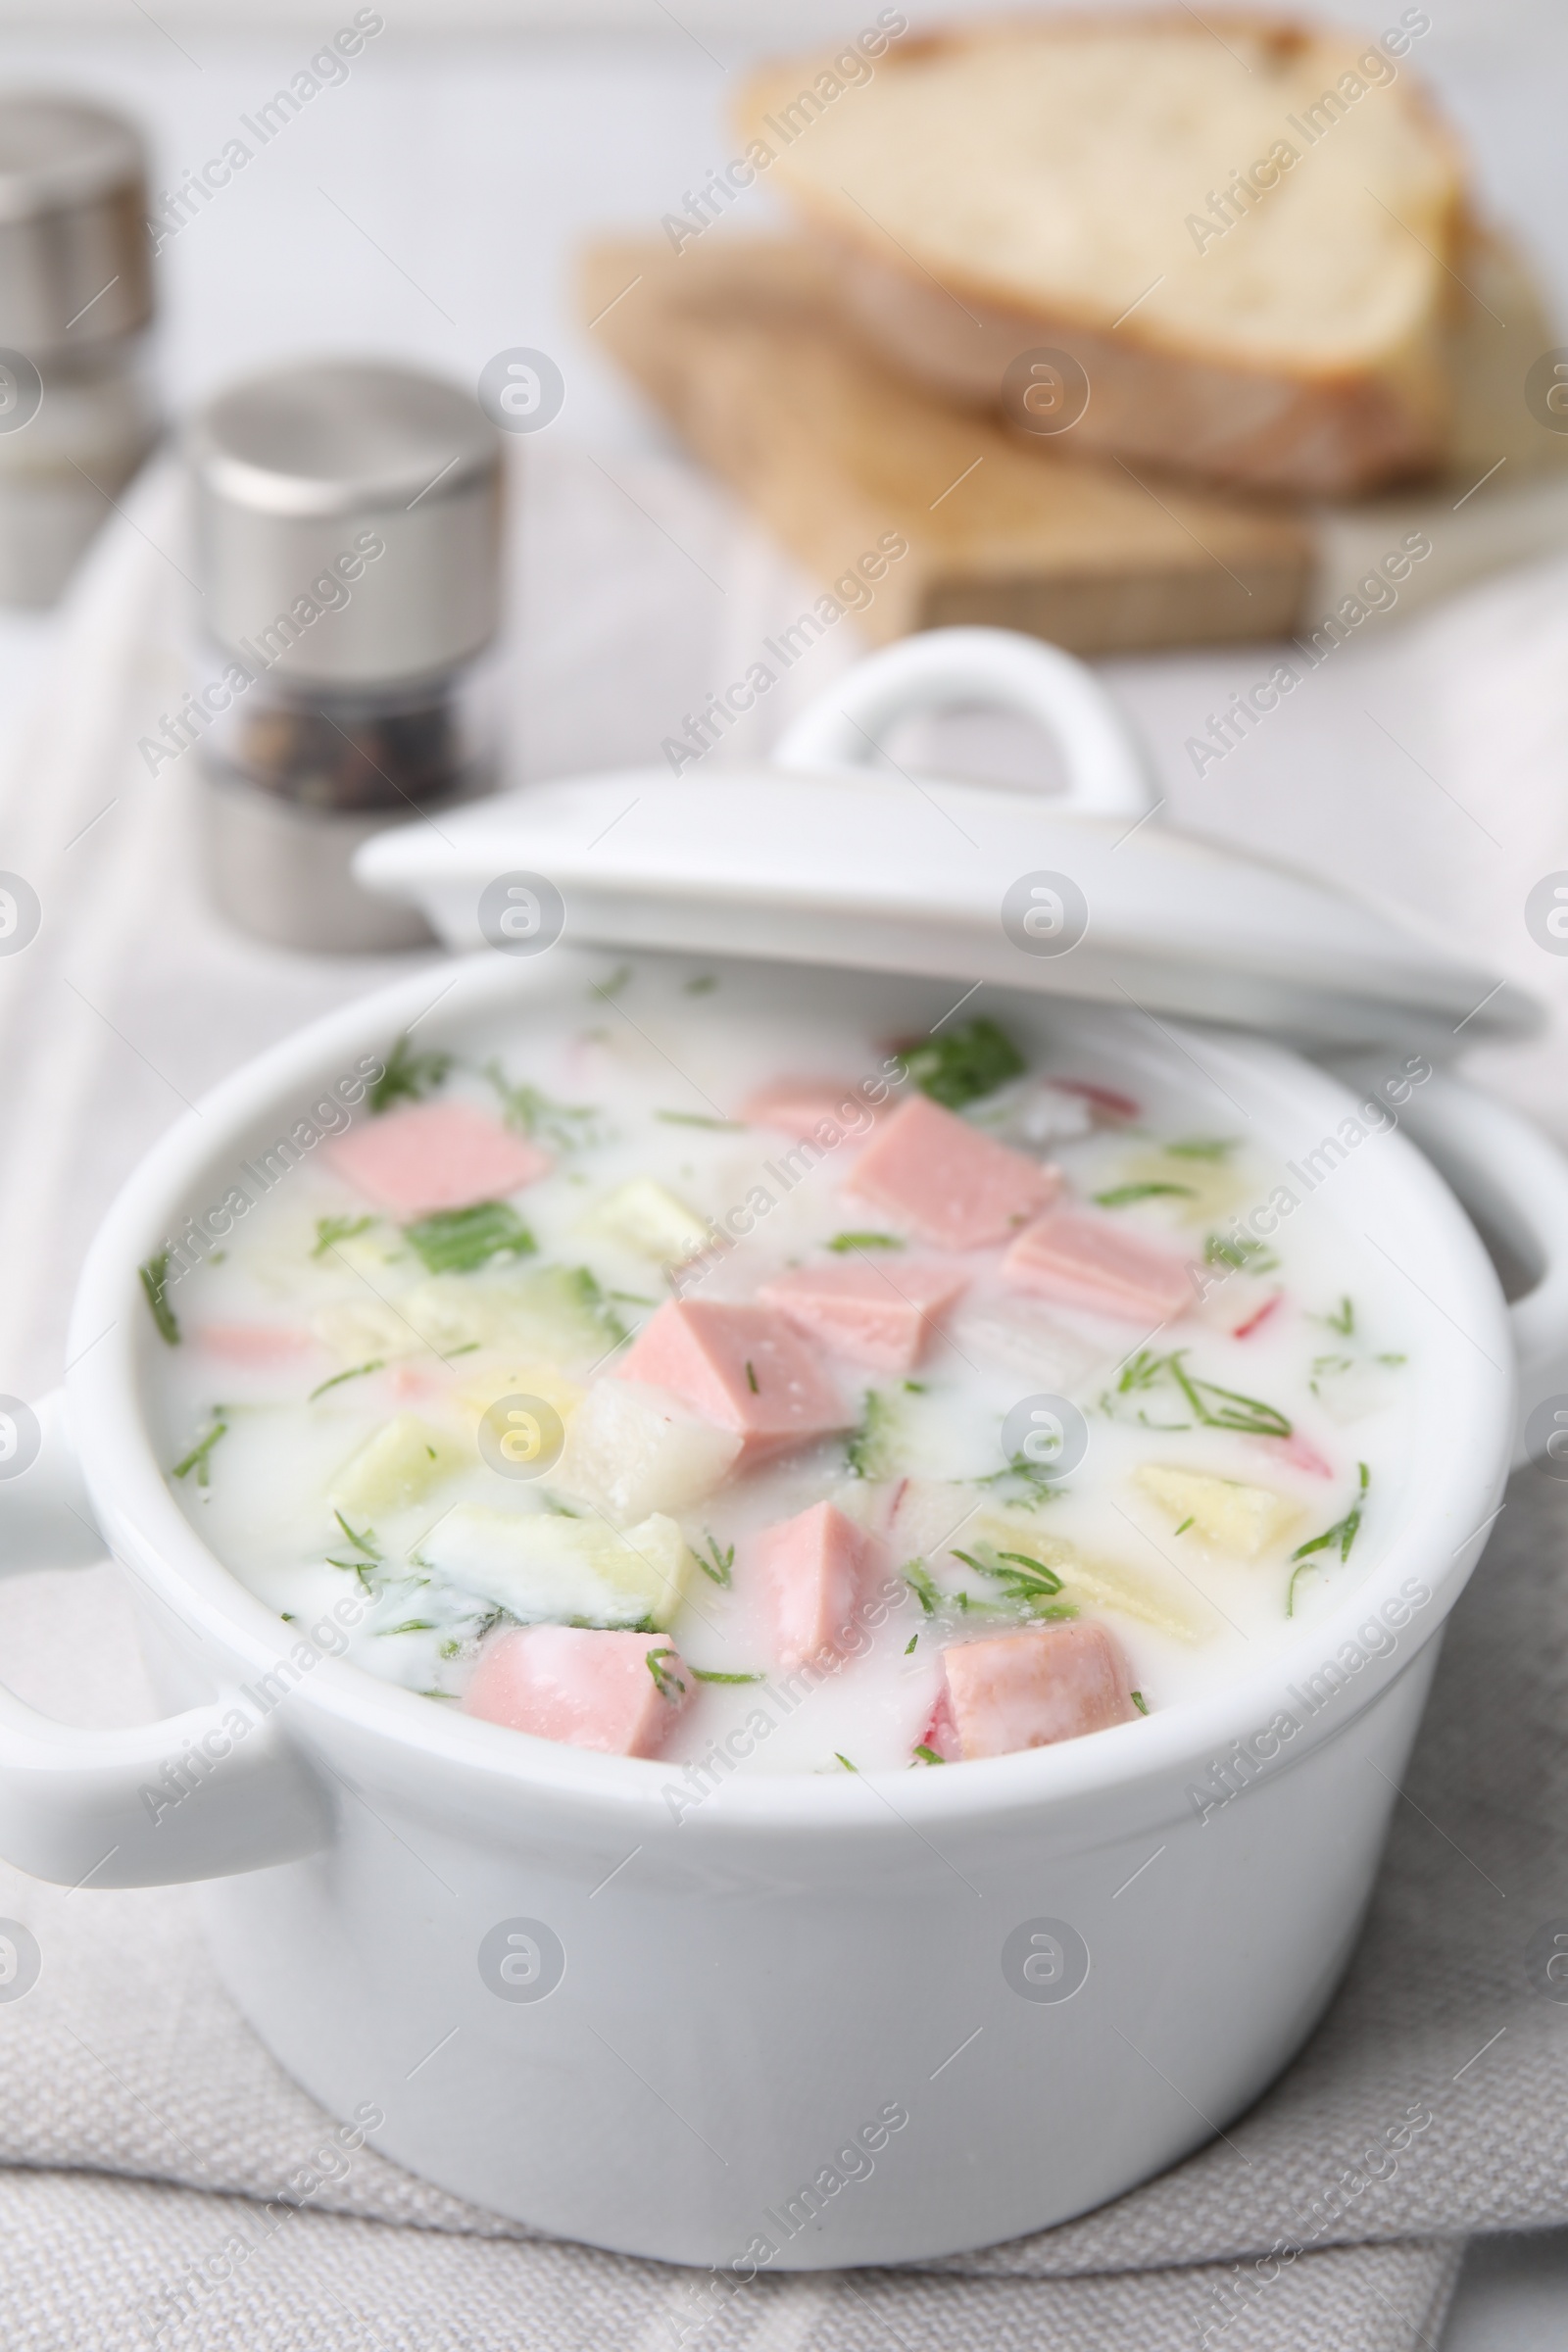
(815, 1572)
(415, 1161)
(1090, 1262)
(743, 1368)
(1031, 1689)
(873, 1315)
(948, 1183)
(619, 1693)
(798, 1107)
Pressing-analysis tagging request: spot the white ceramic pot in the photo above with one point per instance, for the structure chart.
(808, 2022)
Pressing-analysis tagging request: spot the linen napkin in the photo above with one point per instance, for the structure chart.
(153, 2145)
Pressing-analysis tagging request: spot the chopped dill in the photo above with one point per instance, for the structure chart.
(720, 1572)
(1342, 1533)
(1026, 1582)
(696, 1118)
(870, 1448)
(1208, 1405)
(750, 1378)
(366, 1546)
(864, 1240)
(665, 1680)
(330, 1231)
(408, 1076)
(1239, 1254)
(613, 985)
(925, 1591)
(928, 1755)
(909, 1647)
(845, 1761)
(200, 1455)
(1140, 1703)
(155, 1282)
(378, 1363)
(1122, 1196)
(531, 1111)
(706, 1674)
(1202, 1146)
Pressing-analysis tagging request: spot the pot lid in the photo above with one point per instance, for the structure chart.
(822, 858)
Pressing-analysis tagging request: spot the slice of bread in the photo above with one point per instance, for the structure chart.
(1243, 232)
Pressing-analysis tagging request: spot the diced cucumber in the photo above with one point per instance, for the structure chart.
(558, 1314)
(548, 1569)
(648, 1218)
(400, 1464)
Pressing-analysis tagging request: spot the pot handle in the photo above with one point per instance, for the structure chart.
(1516, 1183)
(197, 1796)
(1109, 773)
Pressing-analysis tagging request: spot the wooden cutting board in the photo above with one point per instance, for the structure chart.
(739, 344)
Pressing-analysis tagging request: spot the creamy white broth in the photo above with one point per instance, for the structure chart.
(271, 1434)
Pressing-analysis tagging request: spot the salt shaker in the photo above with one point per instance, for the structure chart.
(348, 544)
(77, 408)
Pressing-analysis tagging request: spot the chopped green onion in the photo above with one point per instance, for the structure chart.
(968, 1062)
(456, 1240)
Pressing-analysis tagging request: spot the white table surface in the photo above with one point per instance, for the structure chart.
(429, 207)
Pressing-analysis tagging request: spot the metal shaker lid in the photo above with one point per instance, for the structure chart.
(75, 264)
(348, 522)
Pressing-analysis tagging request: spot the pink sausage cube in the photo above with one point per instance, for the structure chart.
(1030, 1690)
(742, 1368)
(797, 1107)
(1090, 1262)
(434, 1155)
(947, 1181)
(587, 1689)
(873, 1315)
(814, 1573)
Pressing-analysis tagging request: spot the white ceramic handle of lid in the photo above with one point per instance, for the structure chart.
(152, 1807)
(1515, 1182)
(1107, 771)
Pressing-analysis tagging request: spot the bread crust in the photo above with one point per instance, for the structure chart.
(1319, 428)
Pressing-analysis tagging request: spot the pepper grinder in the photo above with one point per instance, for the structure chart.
(77, 409)
(348, 541)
